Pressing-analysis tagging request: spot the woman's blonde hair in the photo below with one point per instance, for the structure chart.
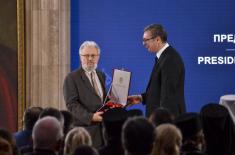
(76, 137)
(168, 140)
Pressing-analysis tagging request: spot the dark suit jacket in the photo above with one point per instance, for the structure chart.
(82, 100)
(166, 84)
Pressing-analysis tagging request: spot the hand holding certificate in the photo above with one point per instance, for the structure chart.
(133, 99)
(119, 90)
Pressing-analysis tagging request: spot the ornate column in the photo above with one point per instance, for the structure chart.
(47, 51)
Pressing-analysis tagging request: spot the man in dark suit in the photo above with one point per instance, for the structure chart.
(166, 84)
(84, 92)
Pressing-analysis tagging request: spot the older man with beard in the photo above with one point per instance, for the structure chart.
(84, 92)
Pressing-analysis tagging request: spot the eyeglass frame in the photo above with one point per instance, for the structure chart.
(146, 40)
(90, 55)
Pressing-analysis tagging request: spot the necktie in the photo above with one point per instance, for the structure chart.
(94, 84)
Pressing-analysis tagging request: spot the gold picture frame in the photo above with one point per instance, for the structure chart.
(21, 61)
(12, 64)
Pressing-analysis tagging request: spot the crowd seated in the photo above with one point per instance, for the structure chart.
(126, 132)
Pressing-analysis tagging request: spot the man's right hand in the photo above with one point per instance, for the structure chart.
(97, 116)
(133, 99)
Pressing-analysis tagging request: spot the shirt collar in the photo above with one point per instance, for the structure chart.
(159, 53)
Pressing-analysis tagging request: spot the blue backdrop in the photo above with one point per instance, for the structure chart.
(117, 26)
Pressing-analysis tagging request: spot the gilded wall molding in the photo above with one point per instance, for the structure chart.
(21, 61)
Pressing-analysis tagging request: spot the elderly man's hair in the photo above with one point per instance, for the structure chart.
(47, 132)
(89, 44)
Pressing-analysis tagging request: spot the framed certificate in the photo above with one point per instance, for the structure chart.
(120, 86)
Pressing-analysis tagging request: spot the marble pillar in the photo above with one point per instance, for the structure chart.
(47, 37)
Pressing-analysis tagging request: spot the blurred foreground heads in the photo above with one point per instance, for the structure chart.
(218, 129)
(76, 137)
(47, 136)
(193, 137)
(168, 140)
(137, 136)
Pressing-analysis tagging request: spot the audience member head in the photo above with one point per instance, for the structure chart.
(47, 134)
(5, 147)
(191, 129)
(76, 137)
(85, 150)
(138, 136)
(53, 112)
(218, 129)
(167, 140)
(31, 116)
(6, 135)
(68, 121)
(89, 53)
(160, 116)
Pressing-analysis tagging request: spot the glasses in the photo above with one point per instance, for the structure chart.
(90, 55)
(146, 40)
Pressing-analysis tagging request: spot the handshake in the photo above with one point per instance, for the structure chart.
(131, 100)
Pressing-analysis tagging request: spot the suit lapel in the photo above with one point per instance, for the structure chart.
(163, 55)
(88, 83)
(156, 66)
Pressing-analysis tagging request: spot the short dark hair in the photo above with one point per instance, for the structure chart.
(160, 116)
(157, 30)
(138, 136)
(52, 112)
(218, 128)
(31, 116)
(68, 120)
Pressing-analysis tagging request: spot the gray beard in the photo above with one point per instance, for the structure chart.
(89, 69)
